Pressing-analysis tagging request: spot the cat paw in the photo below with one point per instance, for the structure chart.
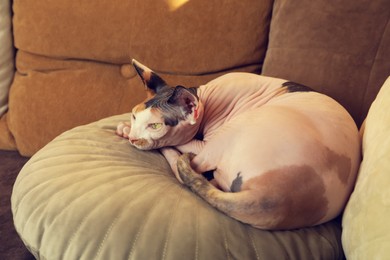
(123, 129)
(171, 155)
(187, 158)
(186, 173)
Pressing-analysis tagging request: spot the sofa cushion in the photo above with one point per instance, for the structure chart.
(6, 70)
(366, 232)
(89, 194)
(340, 48)
(6, 54)
(73, 58)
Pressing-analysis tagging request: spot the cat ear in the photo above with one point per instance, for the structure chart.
(152, 81)
(187, 100)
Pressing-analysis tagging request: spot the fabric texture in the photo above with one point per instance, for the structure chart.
(340, 48)
(73, 60)
(366, 233)
(7, 70)
(6, 54)
(89, 194)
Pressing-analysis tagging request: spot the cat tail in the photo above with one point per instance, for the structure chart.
(242, 205)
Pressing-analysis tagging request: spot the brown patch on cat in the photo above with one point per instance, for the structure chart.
(291, 196)
(341, 164)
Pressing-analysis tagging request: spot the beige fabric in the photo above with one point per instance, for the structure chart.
(89, 195)
(6, 54)
(366, 229)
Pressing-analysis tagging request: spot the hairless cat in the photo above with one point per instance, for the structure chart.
(283, 156)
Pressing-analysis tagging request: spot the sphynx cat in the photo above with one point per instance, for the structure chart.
(283, 156)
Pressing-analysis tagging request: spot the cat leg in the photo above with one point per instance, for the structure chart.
(171, 155)
(247, 206)
(123, 129)
(263, 204)
(199, 162)
(223, 201)
(194, 146)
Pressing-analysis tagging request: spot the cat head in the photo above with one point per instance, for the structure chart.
(169, 116)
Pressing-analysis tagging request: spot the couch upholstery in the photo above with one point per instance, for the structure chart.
(340, 48)
(73, 58)
(72, 61)
(6, 70)
(88, 194)
(6, 54)
(366, 232)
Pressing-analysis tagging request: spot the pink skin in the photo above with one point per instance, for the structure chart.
(253, 126)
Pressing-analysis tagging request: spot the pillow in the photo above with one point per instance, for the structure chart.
(89, 194)
(6, 71)
(366, 229)
(73, 59)
(6, 54)
(340, 48)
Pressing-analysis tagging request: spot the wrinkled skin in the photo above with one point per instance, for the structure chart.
(283, 157)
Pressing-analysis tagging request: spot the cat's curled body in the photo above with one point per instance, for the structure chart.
(283, 156)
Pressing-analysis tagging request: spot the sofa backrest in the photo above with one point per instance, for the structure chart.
(340, 48)
(73, 59)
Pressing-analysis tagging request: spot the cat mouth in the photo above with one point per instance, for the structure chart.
(141, 144)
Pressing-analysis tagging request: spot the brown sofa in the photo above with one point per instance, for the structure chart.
(73, 59)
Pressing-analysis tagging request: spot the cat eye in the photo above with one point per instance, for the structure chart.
(155, 126)
(133, 116)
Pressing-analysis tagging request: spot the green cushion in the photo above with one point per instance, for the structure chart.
(89, 195)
